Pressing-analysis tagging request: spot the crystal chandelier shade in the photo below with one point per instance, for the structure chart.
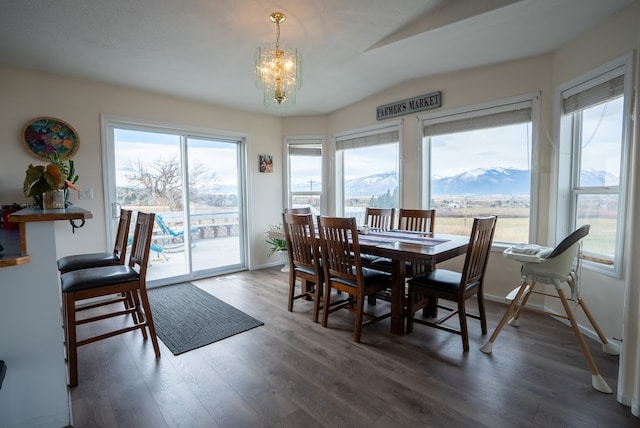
(278, 71)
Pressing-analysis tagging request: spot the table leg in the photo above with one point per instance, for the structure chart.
(398, 273)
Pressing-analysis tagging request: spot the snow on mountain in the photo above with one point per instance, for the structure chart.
(479, 181)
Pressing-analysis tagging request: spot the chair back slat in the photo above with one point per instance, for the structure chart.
(340, 247)
(122, 234)
(380, 218)
(478, 250)
(416, 220)
(139, 258)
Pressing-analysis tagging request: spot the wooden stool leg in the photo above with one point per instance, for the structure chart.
(152, 329)
(596, 379)
(72, 347)
(488, 347)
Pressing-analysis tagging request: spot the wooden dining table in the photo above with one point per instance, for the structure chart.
(415, 247)
(401, 247)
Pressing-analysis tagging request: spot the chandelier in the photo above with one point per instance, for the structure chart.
(278, 72)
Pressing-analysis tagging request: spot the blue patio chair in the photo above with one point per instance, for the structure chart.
(171, 232)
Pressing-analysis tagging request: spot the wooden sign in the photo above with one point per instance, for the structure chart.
(410, 105)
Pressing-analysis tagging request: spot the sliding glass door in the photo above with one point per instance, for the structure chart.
(194, 184)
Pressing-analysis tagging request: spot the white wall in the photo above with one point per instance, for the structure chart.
(28, 94)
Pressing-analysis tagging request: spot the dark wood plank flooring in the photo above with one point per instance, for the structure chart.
(294, 373)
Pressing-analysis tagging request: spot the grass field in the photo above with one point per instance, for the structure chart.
(601, 239)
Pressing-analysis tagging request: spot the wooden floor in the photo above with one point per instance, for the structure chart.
(294, 373)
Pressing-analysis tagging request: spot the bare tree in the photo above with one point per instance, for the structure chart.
(162, 181)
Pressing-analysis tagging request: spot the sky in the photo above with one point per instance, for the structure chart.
(219, 157)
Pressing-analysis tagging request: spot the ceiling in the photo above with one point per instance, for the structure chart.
(203, 49)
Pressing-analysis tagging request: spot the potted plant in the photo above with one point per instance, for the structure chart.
(277, 245)
(54, 178)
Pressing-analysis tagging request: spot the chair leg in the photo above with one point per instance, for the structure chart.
(72, 348)
(149, 318)
(520, 308)
(608, 347)
(483, 313)
(325, 304)
(464, 332)
(358, 323)
(596, 379)
(138, 312)
(317, 295)
(488, 347)
(292, 289)
(410, 310)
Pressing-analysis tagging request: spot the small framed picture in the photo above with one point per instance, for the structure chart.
(266, 163)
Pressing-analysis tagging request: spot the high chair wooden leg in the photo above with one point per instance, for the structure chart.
(528, 291)
(596, 379)
(488, 347)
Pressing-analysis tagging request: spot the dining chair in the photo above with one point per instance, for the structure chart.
(304, 260)
(559, 266)
(455, 286)
(413, 220)
(115, 257)
(416, 220)
(344, 272)
(380, 218)
(97, 282)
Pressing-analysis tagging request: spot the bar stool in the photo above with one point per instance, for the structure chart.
(124, 280)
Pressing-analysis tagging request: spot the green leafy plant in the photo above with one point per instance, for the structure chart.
(275, 244)
(54, 176)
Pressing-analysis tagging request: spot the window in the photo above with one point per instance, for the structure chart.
(193, 180)
(593, 138)
(368, 170)
(304, 172)
(478, 161)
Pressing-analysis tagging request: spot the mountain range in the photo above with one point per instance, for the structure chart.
(480, 181)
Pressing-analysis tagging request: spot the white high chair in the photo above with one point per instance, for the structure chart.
(554, 267)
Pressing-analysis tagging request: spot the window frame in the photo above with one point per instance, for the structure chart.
(290, 141)
(530, 100)
(387, 127)
(568, 159)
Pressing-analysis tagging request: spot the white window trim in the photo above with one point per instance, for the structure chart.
(531, 100)
(338, 157)
(108, 121)
(622, 65)
(304, 139)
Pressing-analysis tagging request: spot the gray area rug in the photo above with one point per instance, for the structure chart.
(187, 317)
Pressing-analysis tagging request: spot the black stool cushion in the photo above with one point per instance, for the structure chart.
(83, 261)
(85, 279)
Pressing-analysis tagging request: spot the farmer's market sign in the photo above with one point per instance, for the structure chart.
(410, 105)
